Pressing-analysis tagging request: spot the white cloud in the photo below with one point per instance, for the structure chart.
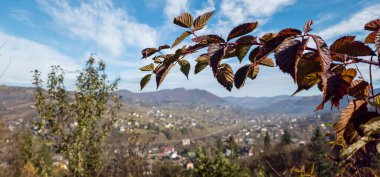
(238, 11)
(207, 6)
(354, 24)
(174, 8)
(21, 16)
(25, 56)
(101, 22)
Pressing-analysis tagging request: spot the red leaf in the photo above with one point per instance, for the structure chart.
(300, 51)
(289, 32)
(370, 39)
(215, 60)
(270, 46)
(208, 39)
(201, 21)
(373, 25)
(286, 56)
(241, 75)
(242, 30)
(225, 76)
(335, 86)
(184, 20)
(307, 26)
(348, 45)
(161, 73)
(323, 51)
(341, 43)
(148, 52)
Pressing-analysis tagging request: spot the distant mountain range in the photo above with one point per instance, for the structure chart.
(181, 96)
(277, 104)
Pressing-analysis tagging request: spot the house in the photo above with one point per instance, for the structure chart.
(168, 150)
(185, 142)
(189, 166)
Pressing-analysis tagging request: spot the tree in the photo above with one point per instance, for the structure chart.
(329, 67)
(267, 143)
(75, 124)
(318, 148)
(232, 146)
(213, 164)
(286, 138)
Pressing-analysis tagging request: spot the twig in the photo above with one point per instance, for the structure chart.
(272, 168)
(370, 80)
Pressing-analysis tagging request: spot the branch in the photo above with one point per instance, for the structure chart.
(352, 58)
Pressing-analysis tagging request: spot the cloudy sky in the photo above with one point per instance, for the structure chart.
(35, 34)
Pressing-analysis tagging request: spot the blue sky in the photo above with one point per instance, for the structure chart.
(40, 33)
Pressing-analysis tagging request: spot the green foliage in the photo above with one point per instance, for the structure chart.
(318, 148)
(213, 164)
(267, 143)
(76, 125)
(286, 138)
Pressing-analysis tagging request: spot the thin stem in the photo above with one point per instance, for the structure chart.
(273, 168)
(370, 80)
(357, 68)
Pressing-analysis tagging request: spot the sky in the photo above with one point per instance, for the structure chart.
(36, 34)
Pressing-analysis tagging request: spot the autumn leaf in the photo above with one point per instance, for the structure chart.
(371, 127)
(267, 36)
(308, 71)
(323, 51)
(353, 148)
(270, 46)
(299, 53)
(162, 47)
(144, 81)
(184, 20)
(244, 46)
(225, 76)
(212, 48)
(373, 25)
(359, 89)
(202, 62)
(348, 45)
(194, 48)
(208, 39)
(348, 114)
(307, 26)
(201, 21)
(253, 54)
(335, 86)
(161, 73)
(241, 75)
(267, 62)
(289, 32)
(252, 74)
(370, 39)
(242, 30)
(182, 37)
(215, 60)
(148, 52)
(185, 67)
(149, 67)
(286, 56)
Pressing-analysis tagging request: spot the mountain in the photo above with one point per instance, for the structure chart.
(255, 102)
(17, 96)
(178, 95)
